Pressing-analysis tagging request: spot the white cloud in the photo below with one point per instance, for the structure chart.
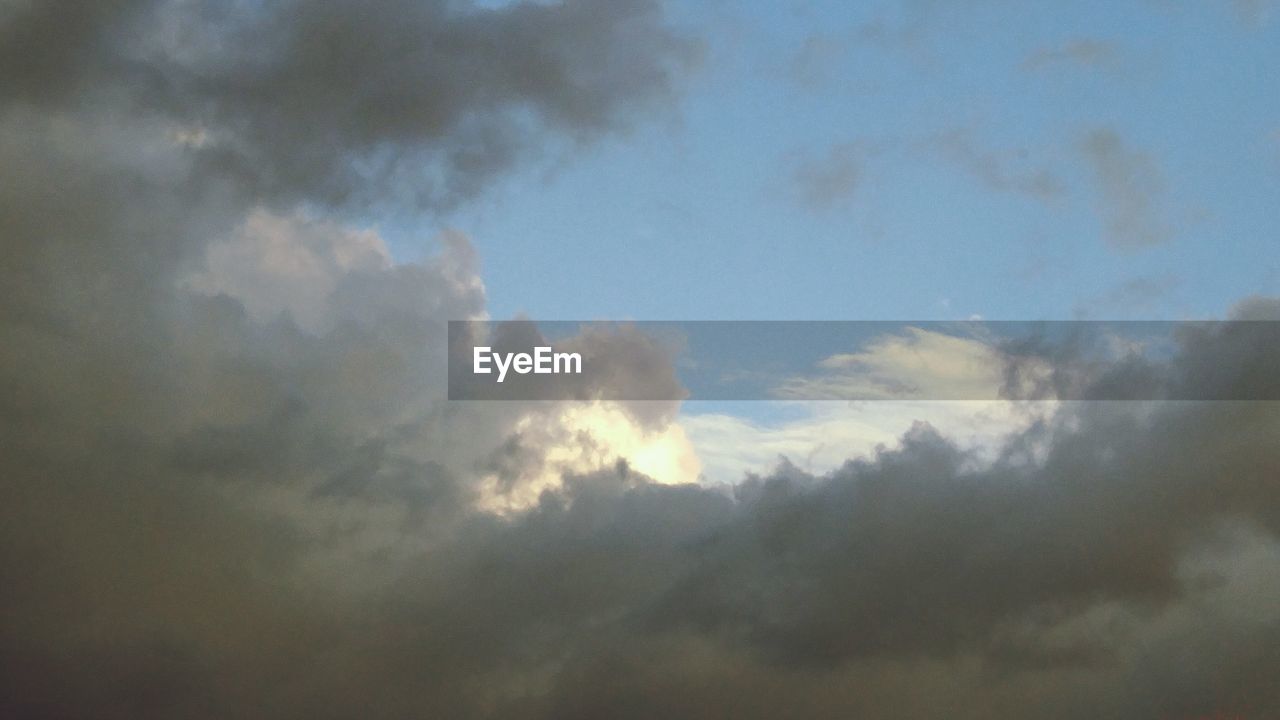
(288, 264)
(820, 436)
(915, 364)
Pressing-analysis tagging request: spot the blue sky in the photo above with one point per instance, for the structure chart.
(978, 158)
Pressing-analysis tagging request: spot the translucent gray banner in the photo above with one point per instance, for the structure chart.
(864, 360)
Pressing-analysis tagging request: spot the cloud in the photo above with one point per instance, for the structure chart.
(1085, 52)
(820, 436)
(811, 65)
(914, 364)
(1137, 296)
(1254, 13)
(1130, 192)
(582, 438)
(231, 485)
(1019, 584)
(831, 179)
(911, 554)
(425, 102)
(222, 406)
(277, 265)
(993, 169)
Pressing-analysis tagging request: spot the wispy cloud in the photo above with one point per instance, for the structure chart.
(1133, 297)
(812, 65)
(832, 178)
(1130, 191)
(1255, 13)
(1005, 171)
(1084, 52)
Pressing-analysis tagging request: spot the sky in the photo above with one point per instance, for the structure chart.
(1105, 161)
(233, 483)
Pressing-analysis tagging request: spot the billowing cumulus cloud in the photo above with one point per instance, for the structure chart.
(230, 484)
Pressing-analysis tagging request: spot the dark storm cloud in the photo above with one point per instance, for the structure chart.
(425, 101)
(191, 579)
(201, 488)
(1045, 568)
(227, 493)
(1217, 361)
(912, 555)
(53, 49)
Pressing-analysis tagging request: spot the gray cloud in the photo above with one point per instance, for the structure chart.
(1254, 13)
(1130, 192)
(832, 178)
(1086, 52)
(828, 180)
(999, 171)
(811, 65)
(269, 528)
(1135, 297)
(199, 486)
(425, 101)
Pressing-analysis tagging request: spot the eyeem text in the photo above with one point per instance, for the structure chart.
(542, 362)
